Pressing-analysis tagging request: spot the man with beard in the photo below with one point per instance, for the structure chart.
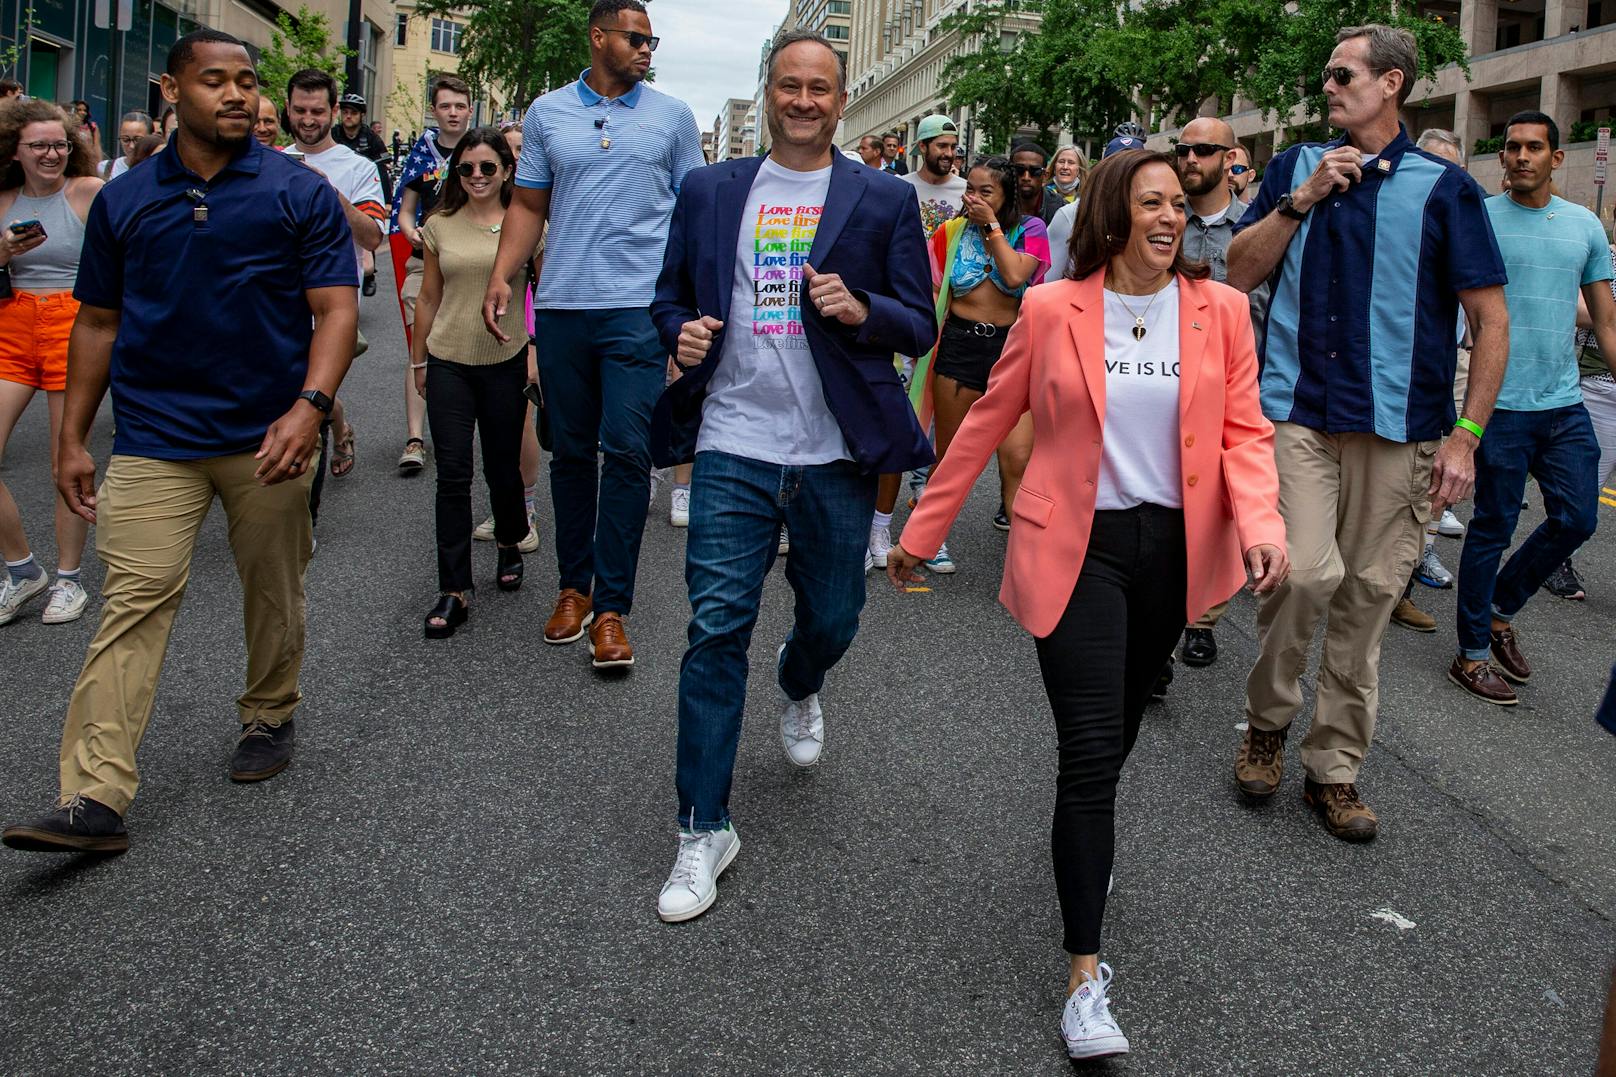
(941, 192)
(222, 363)
(353, 133)
(602, 160)
(788, 283)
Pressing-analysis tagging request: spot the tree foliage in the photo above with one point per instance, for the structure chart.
(297, 42)
(1094, 63)
(523, 47)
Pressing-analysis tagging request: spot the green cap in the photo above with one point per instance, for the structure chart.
(932, 126)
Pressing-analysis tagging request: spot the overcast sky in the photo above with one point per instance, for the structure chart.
(709, 49)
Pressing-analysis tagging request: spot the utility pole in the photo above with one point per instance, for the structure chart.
(356, 23)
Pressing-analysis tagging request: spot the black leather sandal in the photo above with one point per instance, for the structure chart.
(451, 611)
(510, 568)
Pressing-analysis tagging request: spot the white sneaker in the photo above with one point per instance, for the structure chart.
(1431, 572)
(66, 602)
(802, 725)
(1450, 525)
(880, 546)
(484, 532)
(692, 886)
(656, 481)
(785, 542)
(530, 541)
(1086, 1023)
(679, 507)
(942, 564)
(14, 596)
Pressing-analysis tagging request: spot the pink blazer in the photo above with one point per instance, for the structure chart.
(1054, 366)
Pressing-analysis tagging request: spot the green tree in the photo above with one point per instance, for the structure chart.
(299, 41)
(524, 47)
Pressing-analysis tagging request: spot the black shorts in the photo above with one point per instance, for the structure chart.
(968, 351)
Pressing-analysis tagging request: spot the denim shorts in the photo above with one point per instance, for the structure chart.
(967, 351)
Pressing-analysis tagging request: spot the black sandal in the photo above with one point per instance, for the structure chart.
(510, 568)
(452, 611)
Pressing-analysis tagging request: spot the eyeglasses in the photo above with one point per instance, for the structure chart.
(471, 168)
(636, 39)
(1200, 149)
(42, 148)
(1342, 75)
(129, 140)
(1239, 170)
(1027, 170)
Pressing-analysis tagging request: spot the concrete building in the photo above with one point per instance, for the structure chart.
(425, 46)
(62, 55)
(733, 131)
(1555, 56)
(898, 52)
(832, 18)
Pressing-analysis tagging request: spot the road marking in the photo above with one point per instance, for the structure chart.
(1607, 501)
(917, 590)
(1396, 919)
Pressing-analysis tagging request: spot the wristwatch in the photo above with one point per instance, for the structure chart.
(1286, 208)
(317, 398)
(994, 226)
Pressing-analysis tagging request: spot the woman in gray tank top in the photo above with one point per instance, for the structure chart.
(45, 196)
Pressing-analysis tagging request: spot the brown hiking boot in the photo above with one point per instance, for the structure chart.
(571, 617)
(1411, 616)
(1507, 653)
(1483, 682)
(1344, 812)
(1260, 763)
(608, 643)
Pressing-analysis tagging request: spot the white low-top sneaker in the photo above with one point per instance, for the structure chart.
(1086, 1023)
(880, 545)
(15, 595)
(66, 602)
(692, 886)
(679, 507)
(802, 725)
(1450, 525)
(484, 532)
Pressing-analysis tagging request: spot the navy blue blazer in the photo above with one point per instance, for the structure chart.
(870, 234)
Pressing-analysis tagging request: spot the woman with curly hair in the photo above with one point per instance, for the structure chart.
(45, 195)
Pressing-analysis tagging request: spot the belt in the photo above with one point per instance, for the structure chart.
(981, 329)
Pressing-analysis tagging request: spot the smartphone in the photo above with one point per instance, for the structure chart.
(23, 228)
(532, 392)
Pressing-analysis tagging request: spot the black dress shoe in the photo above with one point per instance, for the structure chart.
(77, 825)
(1163, 680)
(450, 613)
(1001, 519)
(370, 284)
(1200, 649)
(510, 568)
(262, 752)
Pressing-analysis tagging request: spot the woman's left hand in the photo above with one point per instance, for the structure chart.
(1268, 566)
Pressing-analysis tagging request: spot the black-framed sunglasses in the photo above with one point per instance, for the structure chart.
(1200, 149)
(1239, 170)
(1342, 76)
(635, 38)
(1027, 170)
(472, 168)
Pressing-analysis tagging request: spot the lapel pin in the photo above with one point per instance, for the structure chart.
(1195, 325)
(1384, 165)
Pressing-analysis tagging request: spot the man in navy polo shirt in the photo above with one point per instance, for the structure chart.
(1371, 245)
(219, 300)
(602, 160)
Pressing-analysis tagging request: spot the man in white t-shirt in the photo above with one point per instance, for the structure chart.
(311, 102)
(787, 285)
(941, 192)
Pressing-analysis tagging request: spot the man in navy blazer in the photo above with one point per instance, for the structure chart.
(788, 284)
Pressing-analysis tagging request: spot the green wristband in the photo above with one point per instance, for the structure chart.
(1466, 424)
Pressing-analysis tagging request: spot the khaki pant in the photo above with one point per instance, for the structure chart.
(1209, 620)
(148, 513)
(1354, 507)
(410, 291)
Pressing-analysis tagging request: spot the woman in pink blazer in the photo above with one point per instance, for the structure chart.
(1150, 494)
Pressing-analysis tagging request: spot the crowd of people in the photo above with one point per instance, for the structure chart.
(1186, 393)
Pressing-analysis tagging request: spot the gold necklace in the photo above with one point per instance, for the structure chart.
(1139, 329)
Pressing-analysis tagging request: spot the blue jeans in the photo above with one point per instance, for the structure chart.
(1558, 448)
(602, 372)
(737, 507)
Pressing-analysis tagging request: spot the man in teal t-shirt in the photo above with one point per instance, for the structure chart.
(1552, 249)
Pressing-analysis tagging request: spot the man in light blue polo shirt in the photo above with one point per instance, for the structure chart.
(1553, 249)
(602, 160)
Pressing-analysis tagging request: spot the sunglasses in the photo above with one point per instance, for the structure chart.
(1027, 170)
(1200, 149)
(1342, 75)
(1239, 170)
(636, 39)
(469, 168)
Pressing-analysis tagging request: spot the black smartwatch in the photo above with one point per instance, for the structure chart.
(1286, 208)
(317, 398)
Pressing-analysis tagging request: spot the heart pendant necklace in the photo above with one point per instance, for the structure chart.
(1139, 329)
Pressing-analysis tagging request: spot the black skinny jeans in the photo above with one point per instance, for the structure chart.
(460, 397)
(1119, 628)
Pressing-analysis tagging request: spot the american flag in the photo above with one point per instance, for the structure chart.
(422, 161)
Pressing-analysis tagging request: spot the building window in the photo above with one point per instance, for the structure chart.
(836, 33)
(841, 7)
(370, 46)
(401, 30)
(446, 36)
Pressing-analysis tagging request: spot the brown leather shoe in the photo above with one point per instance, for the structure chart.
(608, 643)
(1260, 763)
(1411, 616)
(1483, 682)
(1507, 652)
(572, 615)
(1344, 813)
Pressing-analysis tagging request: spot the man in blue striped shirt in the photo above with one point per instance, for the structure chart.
(602, 160)
(1370, 246)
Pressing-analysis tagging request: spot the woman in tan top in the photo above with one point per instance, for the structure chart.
(469, 379)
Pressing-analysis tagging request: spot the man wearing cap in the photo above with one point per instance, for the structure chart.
(1061, 224)
(353, 134)
(941, 192)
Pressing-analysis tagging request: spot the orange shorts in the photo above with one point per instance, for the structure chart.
(33, 339)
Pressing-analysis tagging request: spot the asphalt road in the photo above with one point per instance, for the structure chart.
(459, 872)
